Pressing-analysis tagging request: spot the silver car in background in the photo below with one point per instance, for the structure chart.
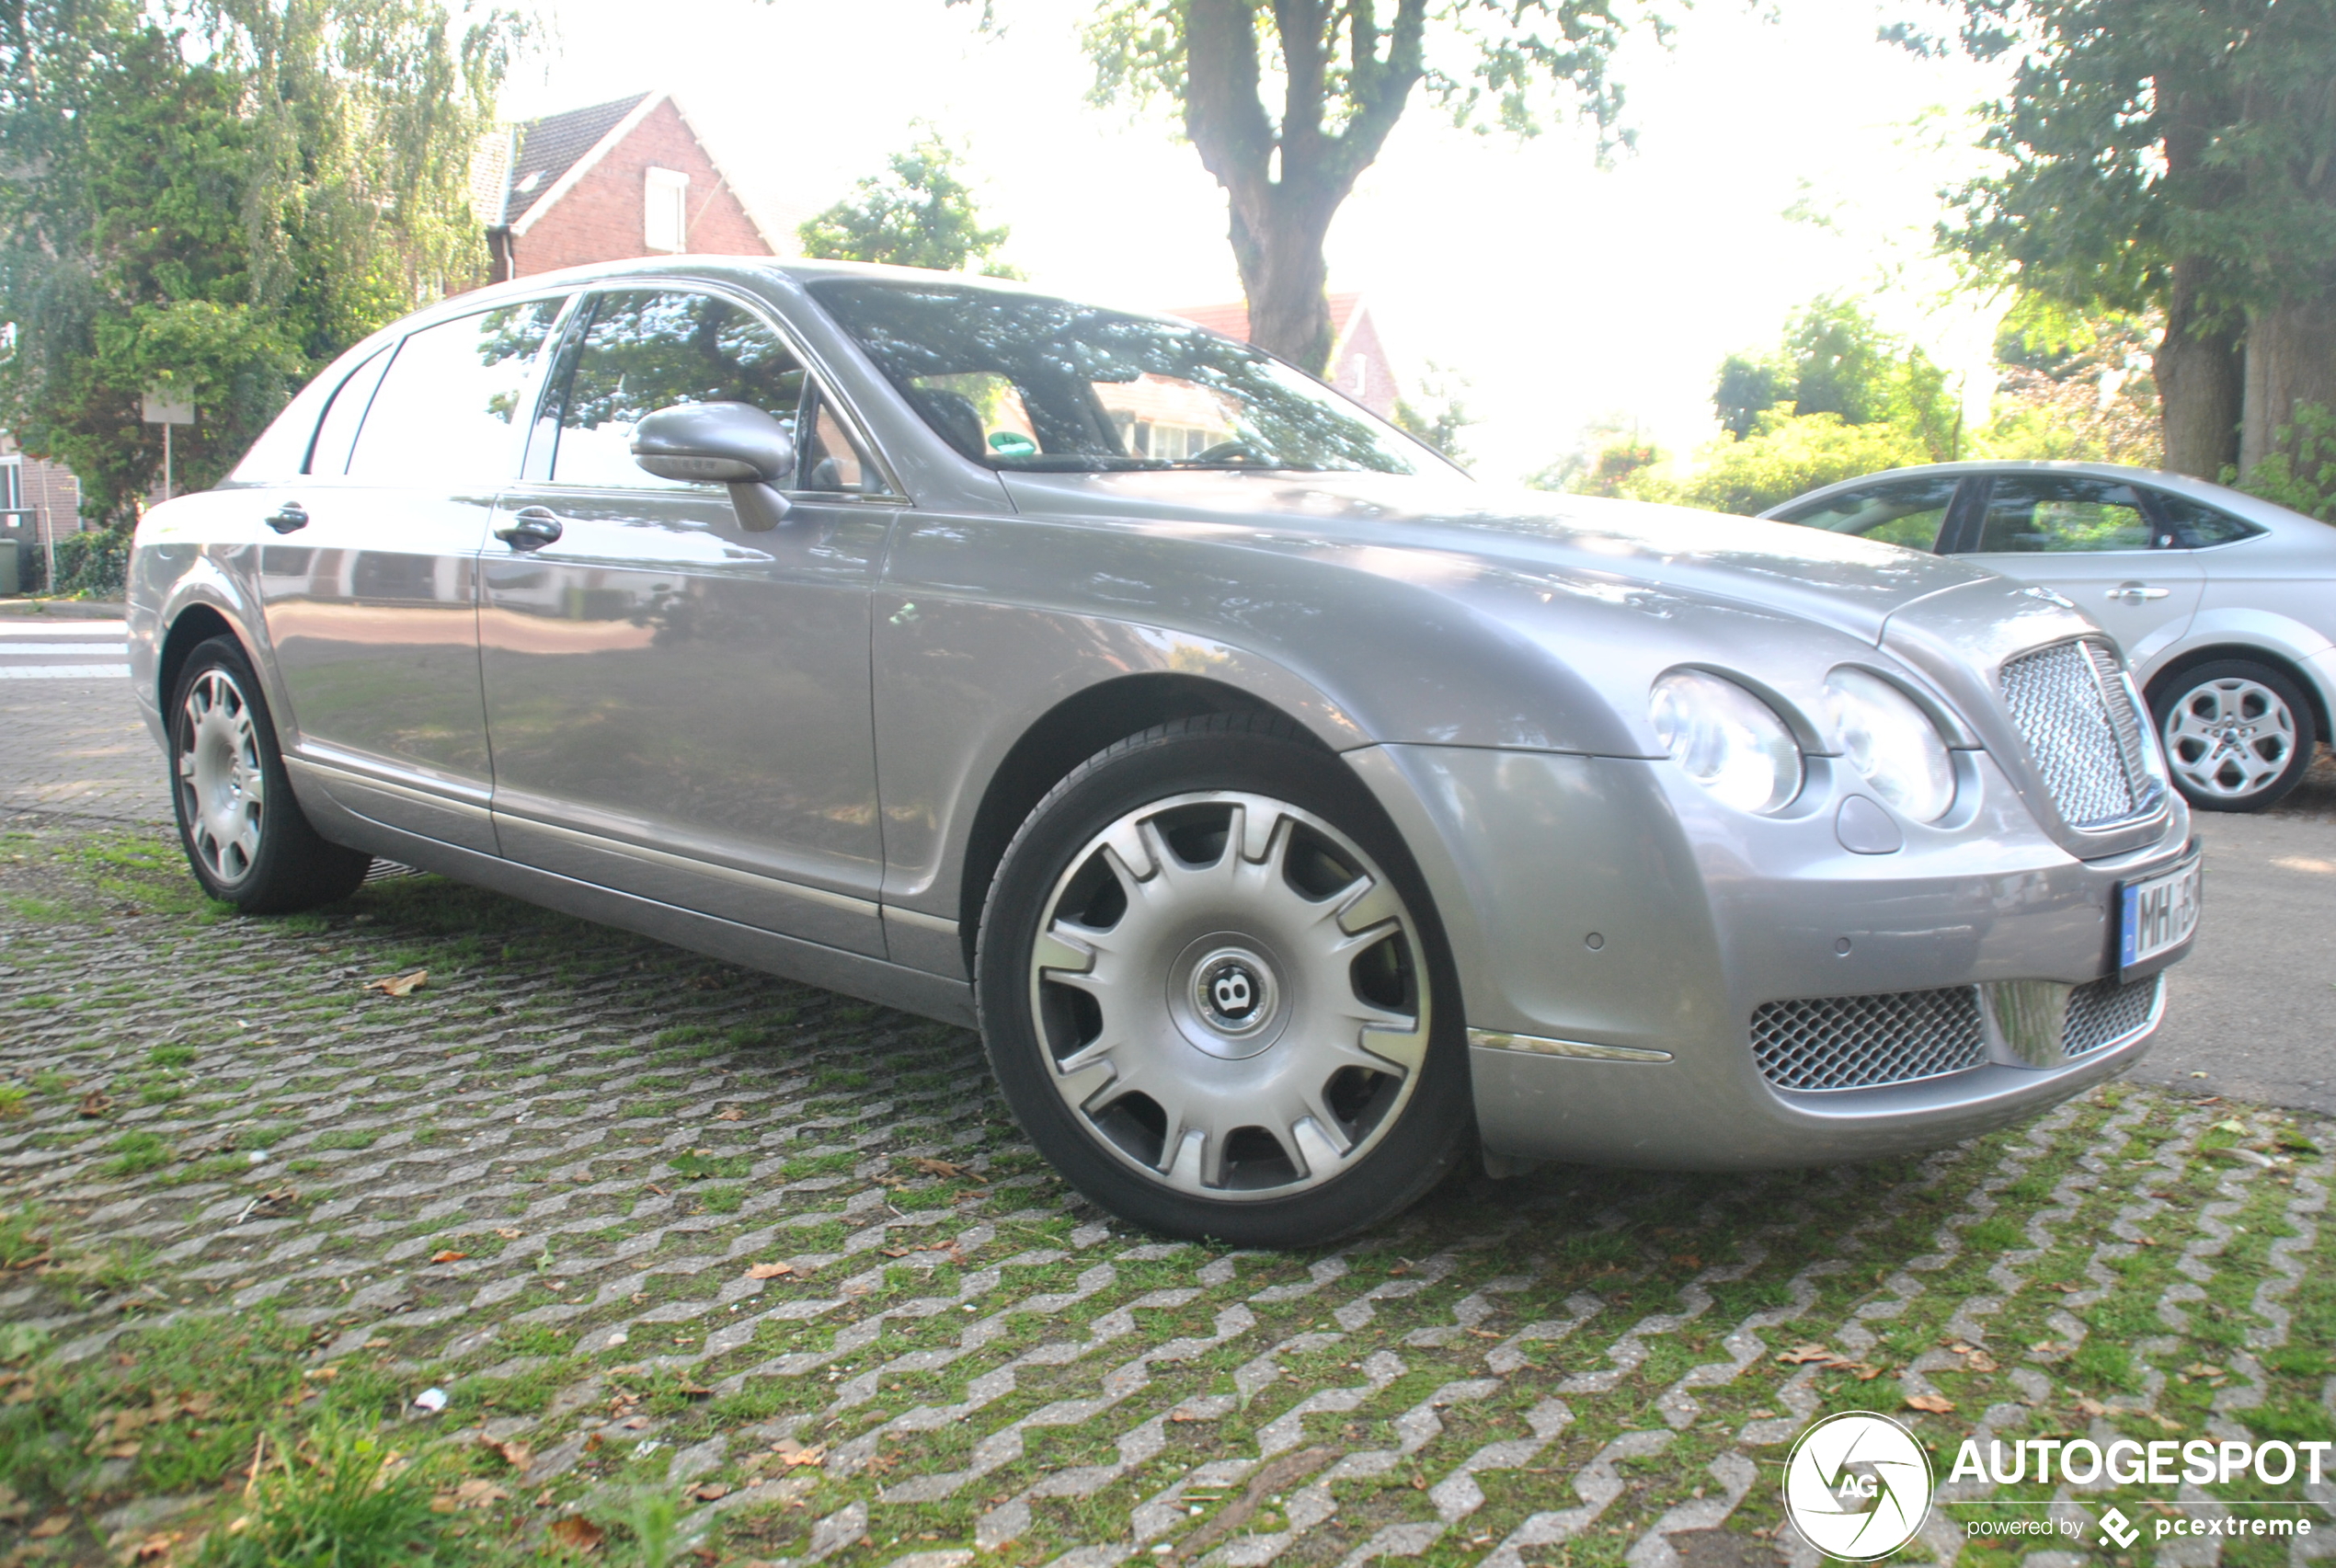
(2225, 603)
(1295, 818)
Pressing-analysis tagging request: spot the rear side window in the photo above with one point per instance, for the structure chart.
(2197, 525)
(338, 432)
(1903, 512)
(2056, 514)
(650, 349)
(444, 411)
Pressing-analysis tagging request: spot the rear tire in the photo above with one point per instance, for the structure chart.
(245, 838)
(2238, 734)
(1215, 993)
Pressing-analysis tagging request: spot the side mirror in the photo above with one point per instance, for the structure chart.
(730, 444)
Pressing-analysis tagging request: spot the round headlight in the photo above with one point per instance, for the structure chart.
(1892, 742)
(1727, 739)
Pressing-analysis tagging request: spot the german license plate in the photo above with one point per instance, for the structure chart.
(2157, 915)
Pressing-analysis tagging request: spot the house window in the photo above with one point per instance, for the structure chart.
(666, 211)
(11, 485)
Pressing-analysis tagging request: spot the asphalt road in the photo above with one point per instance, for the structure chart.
(2252, 1013)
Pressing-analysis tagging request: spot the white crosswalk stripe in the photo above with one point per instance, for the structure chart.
(46, 650)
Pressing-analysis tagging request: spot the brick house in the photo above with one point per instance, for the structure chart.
(39, 503)
(616, 180)
(1358, 363)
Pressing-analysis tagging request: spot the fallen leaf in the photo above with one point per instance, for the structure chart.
(54, 1526)
(477, 1493)
(97, 1103)
(519, 1456)
(695, 1390)
(593, 1444)
(508, 1233)
(729, 1114)
(275, 1204)
(951, 1170)
(153, 1547)
(1979, 1361)
(321, 1374)
(1687, 1260)
(122, 1451)
(637, 1424)
(2091, 1407)
(770, 1270)
(1937, 1405)
(712, 1491)
(399, 985)
(2196, 1369)
(543, 1498)
(577, 1533)
(448, 1255)
(792, 1453)
(1801, 1355)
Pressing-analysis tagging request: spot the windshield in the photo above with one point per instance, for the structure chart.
(1022, 381)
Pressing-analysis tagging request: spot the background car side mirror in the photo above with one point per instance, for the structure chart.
(727, 443)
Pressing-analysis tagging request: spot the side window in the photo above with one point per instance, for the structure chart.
(2062, 514)
(338, 434)
(832, 460)
(2197, 525)
(650, 349)
(446, 407)
(1904, 511)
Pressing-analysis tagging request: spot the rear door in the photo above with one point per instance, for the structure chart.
(2092, 541)
(679, 703)
(368, 579)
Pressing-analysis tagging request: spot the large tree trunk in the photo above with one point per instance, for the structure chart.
(1278, 248)
(2291, 359)
(2201, 378)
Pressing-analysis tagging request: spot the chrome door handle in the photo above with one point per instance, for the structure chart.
(531, 527)
(2135, 592)
(289, 518)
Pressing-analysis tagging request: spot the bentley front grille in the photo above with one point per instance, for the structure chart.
(2108, 1010)
(1862, 1042)
(2085, 728)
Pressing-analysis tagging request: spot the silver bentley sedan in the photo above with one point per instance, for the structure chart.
(1295, 818)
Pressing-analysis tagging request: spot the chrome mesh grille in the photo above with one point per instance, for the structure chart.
(2106, 1010)
(2077, 713)
(1858, 1042)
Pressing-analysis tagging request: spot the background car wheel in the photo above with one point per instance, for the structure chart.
(2238, 734)
(243, 833)
(1216, 994)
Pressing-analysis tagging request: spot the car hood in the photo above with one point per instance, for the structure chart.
(1851, 585)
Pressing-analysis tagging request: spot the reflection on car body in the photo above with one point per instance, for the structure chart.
(1293, 815)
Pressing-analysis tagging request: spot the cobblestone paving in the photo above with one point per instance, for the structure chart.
(670, 1225)
(79, 747)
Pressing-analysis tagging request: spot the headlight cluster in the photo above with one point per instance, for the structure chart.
(1735, 745)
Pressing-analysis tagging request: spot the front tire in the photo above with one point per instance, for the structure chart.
(1215, 993)
(245, 838)
(2238, 734)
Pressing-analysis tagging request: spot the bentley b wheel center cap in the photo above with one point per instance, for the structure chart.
(1229, 1001)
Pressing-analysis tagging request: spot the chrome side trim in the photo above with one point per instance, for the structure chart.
(695, 868)
(1582, 1050)
(921, 920)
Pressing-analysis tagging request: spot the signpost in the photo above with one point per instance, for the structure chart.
(162, 406)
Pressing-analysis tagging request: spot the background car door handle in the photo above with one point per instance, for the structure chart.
(2135, 592)
(289, 518)
(531, 527)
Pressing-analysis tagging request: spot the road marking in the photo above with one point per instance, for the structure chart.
(64, 672)
(16, 649)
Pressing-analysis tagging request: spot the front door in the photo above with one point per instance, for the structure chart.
(2092, 541)
(679, 704)
(369, 584)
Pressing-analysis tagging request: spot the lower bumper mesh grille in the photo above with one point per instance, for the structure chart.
(1858, 1042)
(1865, 1042)
(2106, 1010)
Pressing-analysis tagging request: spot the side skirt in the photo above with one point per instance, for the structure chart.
(871, 979)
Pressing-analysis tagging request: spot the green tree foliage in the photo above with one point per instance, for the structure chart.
(2176, 156)
(218, 210)
(1287, 104)
(2073, 387)
(1785, 455)
(919, 213)
(1440, 414)
(2301, 474)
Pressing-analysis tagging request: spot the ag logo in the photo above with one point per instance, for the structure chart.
(1856, 1486)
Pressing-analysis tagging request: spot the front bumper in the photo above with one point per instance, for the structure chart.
(1609, 904)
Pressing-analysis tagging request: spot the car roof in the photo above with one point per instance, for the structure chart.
(2254, 508)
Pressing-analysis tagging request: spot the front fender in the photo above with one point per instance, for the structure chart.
(170, 574)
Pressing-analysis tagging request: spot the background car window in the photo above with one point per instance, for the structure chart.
(2197, 525)
(979, 411)
(445, 409)
(2062, 514)
(651, 349)
(1906, 512)
(831, 459)
(338, 431)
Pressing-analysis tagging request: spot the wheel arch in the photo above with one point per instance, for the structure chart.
(196, 623)
(1067, 735)
(2253, 653)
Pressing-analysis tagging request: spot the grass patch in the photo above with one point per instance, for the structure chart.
(134, 1153)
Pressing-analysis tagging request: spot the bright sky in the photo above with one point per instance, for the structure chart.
(1562, 293)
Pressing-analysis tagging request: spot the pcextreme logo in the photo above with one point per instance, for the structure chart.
(1856, 1486)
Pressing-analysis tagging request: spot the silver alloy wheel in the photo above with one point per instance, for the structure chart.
(223, 790)
(2230, 737)
(1232, 995)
